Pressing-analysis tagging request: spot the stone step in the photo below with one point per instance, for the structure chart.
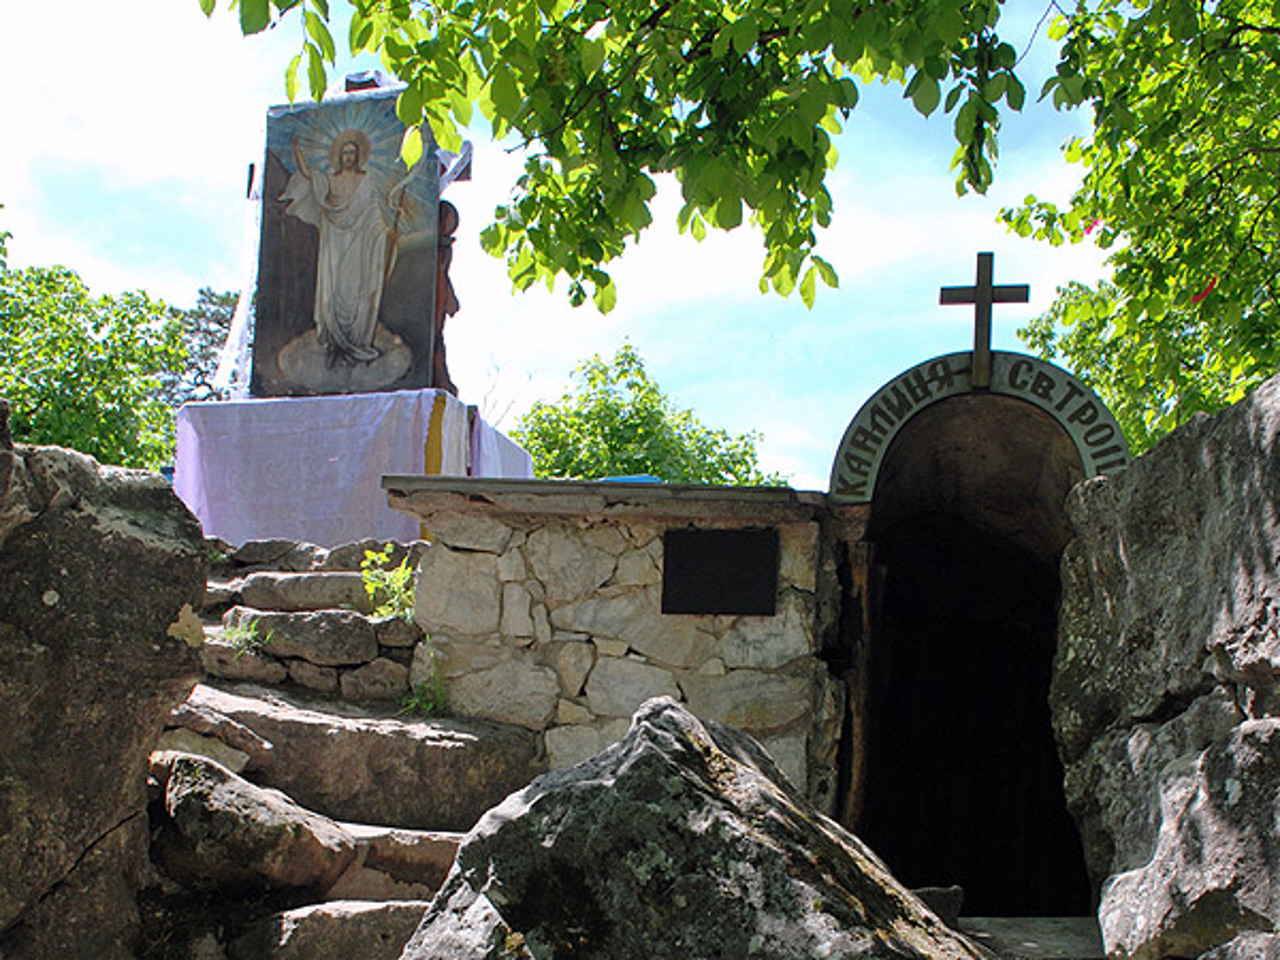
(228, 562)
(284, 575)
(1037, 938)
(338, 930)
(220, 594)
(358, 657)
(327, 637)
(213, 830)
(324, 590)
(393, 863)
(223, 828)
(367, 764)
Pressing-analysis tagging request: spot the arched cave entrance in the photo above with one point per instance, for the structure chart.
(962, 783)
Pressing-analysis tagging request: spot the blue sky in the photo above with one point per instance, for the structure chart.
(128, 141)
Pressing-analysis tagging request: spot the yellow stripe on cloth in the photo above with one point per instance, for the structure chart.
(433, 449)
(433, 452)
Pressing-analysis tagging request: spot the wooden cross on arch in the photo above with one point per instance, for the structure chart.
(982, 295)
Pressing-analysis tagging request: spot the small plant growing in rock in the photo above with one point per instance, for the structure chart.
(427, 699)
(244, 638)
(513, 945)
(390, 588)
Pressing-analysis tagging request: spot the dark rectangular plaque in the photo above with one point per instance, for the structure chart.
(720, 571)
(347, 264)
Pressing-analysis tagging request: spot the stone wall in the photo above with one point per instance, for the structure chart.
(544, 604)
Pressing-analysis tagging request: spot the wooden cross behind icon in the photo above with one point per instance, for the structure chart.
(982, 295)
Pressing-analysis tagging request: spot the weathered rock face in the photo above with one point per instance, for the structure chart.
(1217, 859)
(1165, 691)
(96, 564)
(682, 840)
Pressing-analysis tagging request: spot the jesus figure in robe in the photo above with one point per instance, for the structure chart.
(353, 260)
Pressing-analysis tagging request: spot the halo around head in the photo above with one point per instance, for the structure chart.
(363, 146)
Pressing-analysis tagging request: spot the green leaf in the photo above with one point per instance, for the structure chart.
(504, 93)
(1015, 93)
(827, 272)
(727, 213)
(743, 34)
(809, 286)
(606, 297)
(720, 43)
(315, 72)
(445, 131)
(291, 78)
(360, 33)
(409, 105)
(207, 7)
(411, 147)
(995, 88)
(926, 94)
(493, 240)
(592, 56)
(254, 16)
(319, 33)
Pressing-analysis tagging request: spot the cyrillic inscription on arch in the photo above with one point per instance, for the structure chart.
(1093, 429)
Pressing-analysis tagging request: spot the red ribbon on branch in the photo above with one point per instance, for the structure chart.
(1206, 291)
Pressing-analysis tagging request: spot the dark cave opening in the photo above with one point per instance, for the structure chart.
(964, 785)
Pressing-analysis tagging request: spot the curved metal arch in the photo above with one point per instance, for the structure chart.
(1077, 409)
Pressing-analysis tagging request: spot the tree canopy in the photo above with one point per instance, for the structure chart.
(85, 372)
(738, 98)
(617, 422)
(1181, 180)
(204, 332)
(102, 375)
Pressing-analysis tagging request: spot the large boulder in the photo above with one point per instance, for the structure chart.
(1165, 685)
(100, 570)
(682, 840)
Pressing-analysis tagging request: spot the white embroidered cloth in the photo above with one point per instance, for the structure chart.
(310, 468)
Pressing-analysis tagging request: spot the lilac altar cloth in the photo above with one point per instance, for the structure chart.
(310, 468)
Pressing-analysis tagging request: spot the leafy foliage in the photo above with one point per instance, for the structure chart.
(390, 588)
(244, 638)
(738, 98)
(1181, 178)
(619, 423)
(428, 699)
(86, 372)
